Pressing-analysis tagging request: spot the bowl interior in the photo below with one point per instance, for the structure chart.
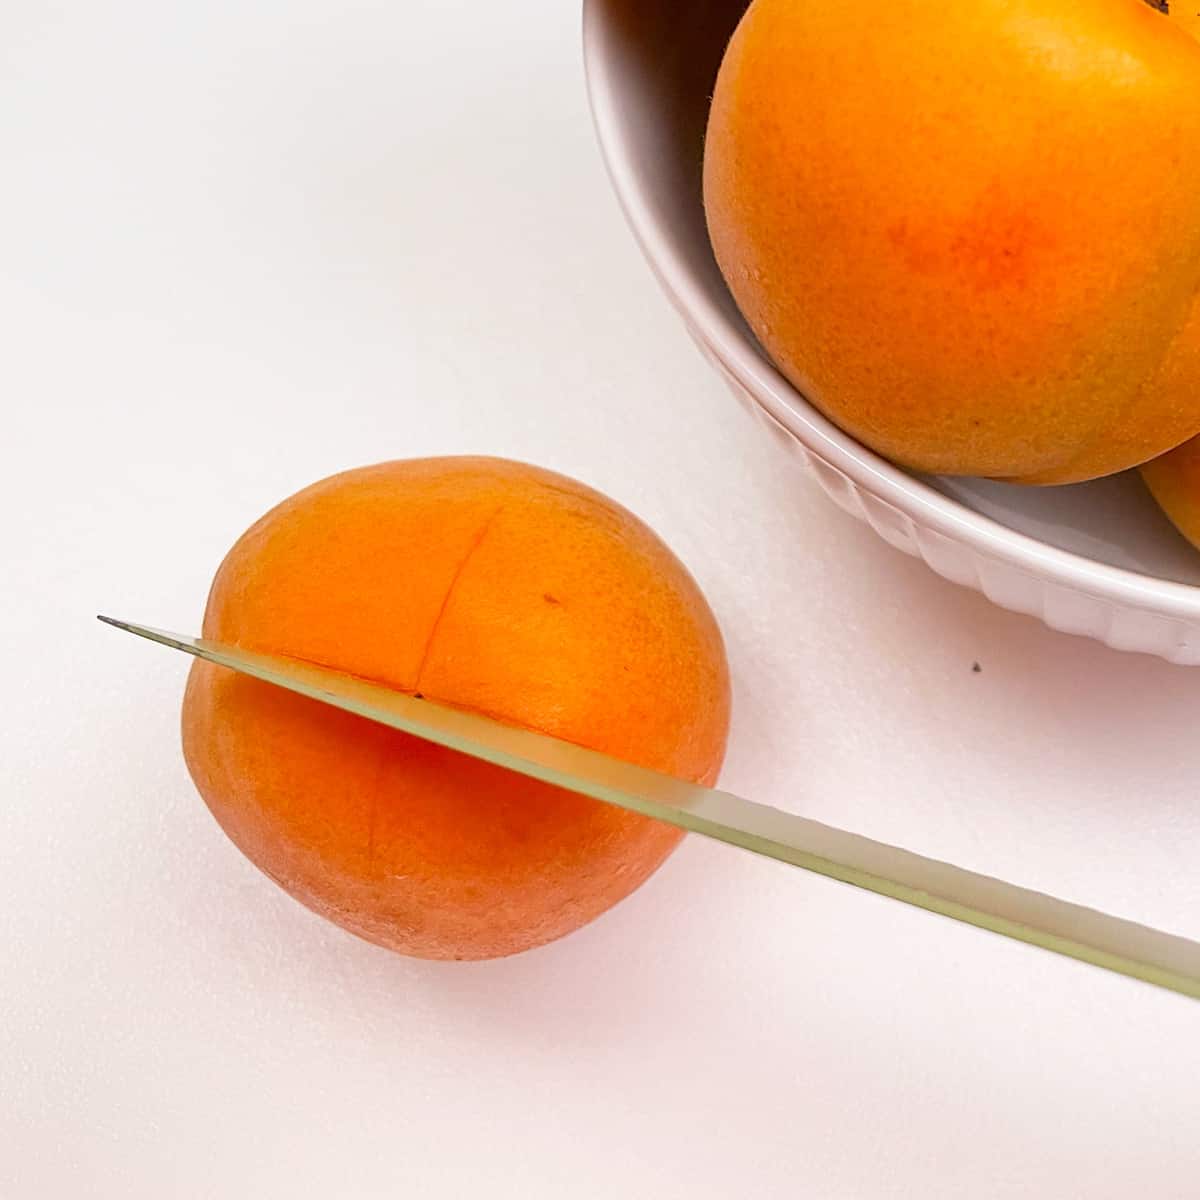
(666, 58)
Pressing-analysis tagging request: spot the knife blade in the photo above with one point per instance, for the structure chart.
(1117, 945)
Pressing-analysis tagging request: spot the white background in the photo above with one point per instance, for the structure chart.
(247, 243)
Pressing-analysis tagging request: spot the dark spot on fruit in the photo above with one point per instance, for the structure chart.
(999, 245)
(549, 599)
(976, 668)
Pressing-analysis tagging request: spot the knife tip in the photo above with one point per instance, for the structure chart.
(116, 623)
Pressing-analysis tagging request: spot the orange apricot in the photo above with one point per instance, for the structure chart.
(970, 233)
(480, 583)
(1174, 481)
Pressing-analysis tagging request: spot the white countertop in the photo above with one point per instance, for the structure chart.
(249, 244)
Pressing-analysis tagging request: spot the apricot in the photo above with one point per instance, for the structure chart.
(970, 233)
(480, 583)
(1174, 481)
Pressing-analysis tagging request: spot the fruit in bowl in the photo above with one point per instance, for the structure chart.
(1093, 558)
(970, 234)
(1174, 481)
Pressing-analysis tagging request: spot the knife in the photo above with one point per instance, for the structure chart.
(1121, 946)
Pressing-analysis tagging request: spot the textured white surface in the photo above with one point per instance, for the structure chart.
(249, 244)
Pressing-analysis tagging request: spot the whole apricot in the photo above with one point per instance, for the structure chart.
(1174, 481)
(480, 583)
(970, 233)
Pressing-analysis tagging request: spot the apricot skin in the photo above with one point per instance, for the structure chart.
(479, 583)
(970, 233)
(1174, 481)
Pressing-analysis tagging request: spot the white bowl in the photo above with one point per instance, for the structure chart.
(1096, 559)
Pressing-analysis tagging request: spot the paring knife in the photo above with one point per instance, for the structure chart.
(1027, 916)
